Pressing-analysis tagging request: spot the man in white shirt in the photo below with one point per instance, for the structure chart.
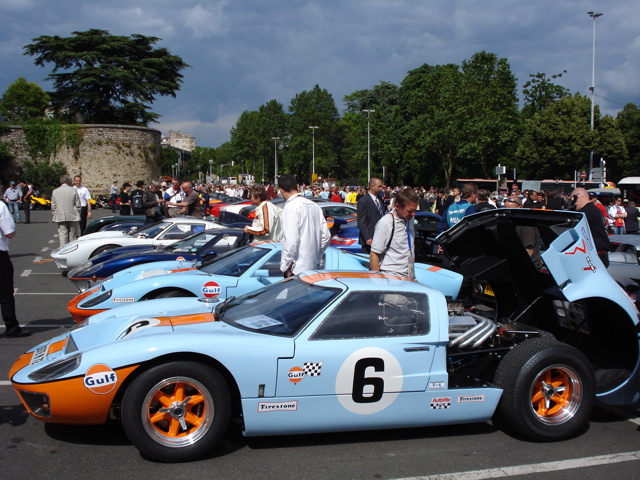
(7, 300)
(85, 202)
(305, 232)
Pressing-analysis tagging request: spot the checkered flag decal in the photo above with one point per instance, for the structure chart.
(440, 403)
(312, 369)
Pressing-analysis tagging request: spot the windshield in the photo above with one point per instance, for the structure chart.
(282, 309)
(150, 231)
(193, 243)
(235, 262)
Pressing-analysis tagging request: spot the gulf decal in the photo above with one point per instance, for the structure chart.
(180, 259)
(100, 379)
(295, 374)
(211, 289)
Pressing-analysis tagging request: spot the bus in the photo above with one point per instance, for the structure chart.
(630, 188)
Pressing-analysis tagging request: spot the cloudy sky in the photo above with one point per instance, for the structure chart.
(244, 53)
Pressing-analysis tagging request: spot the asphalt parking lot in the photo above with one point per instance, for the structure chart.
(609, 447)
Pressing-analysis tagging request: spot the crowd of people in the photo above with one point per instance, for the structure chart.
(385, 217)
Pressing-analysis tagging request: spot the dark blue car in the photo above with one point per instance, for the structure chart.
(193, 248)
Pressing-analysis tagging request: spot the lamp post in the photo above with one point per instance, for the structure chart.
(313, 152)
(275, 154)
(369, 112)
(177, 169)
(210, 167)
(593, 15)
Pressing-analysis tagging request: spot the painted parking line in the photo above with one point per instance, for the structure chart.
(45, 249)
(26, 273)
(535, 468)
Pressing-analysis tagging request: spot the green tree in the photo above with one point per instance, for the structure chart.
(200, 157)
(313, 108)
(44, 175)
(540, 92)
(246, 140)
(108, 78)
(168, 158)
(23, 101)
(609, 145)
(492, 118)
(557, 140)
(432, 125)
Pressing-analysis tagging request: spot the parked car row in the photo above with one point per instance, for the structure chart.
(344, 348)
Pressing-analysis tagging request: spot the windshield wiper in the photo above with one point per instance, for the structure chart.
(222, 307)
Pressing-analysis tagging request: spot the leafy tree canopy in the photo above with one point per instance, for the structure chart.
(23, 101)
(108, 78)
(540, 92)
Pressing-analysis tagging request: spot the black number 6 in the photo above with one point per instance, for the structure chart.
(360, 381)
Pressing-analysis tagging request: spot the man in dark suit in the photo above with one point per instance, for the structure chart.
(370, 210)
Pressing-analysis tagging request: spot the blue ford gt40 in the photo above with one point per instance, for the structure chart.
(334, 350)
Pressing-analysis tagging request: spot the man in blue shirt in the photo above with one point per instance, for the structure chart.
(463, 208)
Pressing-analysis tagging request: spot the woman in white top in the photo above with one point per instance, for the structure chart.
(267, 224)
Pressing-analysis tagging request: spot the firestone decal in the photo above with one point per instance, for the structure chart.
(278, 406)
(470, 398)
(124, 300)
(100, 379)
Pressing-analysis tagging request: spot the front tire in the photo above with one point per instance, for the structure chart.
(549, 389)
(176, 412)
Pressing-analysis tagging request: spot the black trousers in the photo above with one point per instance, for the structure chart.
(26, 206)
(83, 219)
(7, 302)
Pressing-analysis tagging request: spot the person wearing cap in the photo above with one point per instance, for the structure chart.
(582, 202)
(12, 196)
(85, 202)
(7, 300)
(137, 199)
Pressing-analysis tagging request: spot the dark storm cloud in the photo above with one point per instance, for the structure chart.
(244, 53)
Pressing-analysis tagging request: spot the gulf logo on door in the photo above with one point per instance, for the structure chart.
(211, 289)
(100, 379)
(295, 374)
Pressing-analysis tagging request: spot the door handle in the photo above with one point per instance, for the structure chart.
(417, 349)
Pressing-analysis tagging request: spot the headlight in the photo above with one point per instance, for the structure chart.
(68, 248)
(96, 300)
(56, 369)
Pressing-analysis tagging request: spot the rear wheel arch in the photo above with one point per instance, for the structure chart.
(103, 248)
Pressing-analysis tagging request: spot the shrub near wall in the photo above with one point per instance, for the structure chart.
(100, 153)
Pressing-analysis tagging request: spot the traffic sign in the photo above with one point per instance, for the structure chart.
(583, 175)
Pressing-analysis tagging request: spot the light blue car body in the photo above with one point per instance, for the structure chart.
(147, 281)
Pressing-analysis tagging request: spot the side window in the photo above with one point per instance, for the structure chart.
(177, 232)
(376, 314)
(273, 265)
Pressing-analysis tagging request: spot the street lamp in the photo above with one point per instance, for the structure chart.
(177, 169)
(210, 167)
(275, 153)
(593, 15)
(313, 150)
(369, 112)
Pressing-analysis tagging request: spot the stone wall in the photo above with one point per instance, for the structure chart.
(107, 153)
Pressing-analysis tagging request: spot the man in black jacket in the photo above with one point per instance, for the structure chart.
(370, 210)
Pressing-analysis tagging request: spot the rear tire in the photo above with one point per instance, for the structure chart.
(549, 389)
(176, 412)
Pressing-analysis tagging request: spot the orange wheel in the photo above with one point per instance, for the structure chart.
(176, 412)
(548, 389)
(555, 394)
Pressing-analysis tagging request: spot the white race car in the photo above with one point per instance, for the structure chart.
(165, 232)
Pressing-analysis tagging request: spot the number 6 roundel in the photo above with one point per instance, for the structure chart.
(369, 381)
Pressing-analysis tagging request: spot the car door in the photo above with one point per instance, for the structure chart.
(368, 351)
(263, 272)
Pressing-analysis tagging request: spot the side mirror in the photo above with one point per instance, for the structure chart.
(210, 253)
(262, 273)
